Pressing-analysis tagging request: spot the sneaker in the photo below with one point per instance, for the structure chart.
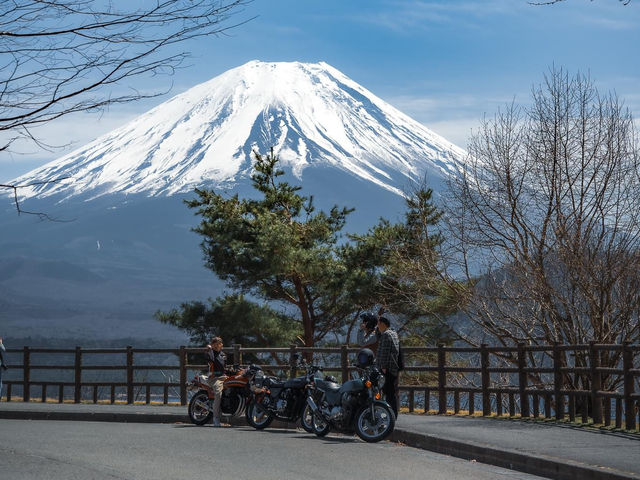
(216, 422)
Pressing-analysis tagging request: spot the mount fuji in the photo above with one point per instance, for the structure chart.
(129, 250)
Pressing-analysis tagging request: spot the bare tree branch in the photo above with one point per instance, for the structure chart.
(551, 2)
(63, 56)
(20, 210)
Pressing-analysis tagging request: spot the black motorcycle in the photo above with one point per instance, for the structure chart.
(355, 405)
(282, 399)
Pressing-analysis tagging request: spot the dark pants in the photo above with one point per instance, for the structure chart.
(390, 391)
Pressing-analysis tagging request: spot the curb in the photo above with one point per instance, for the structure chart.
(543, 466)
(540, 465)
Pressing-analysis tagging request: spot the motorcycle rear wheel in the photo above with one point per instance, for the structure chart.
(378, 428)
(258, 418)
(199, 412)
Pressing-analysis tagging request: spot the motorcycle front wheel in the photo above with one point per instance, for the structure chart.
(306, 420)
(320, 426)
(258, 417)
(377, 428)
(199, 412)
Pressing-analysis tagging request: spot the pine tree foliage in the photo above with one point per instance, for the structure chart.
(277, 248)
(235, 319)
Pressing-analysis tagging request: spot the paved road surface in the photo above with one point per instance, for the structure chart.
(60, 450)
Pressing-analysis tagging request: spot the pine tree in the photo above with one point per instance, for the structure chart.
(277, 248)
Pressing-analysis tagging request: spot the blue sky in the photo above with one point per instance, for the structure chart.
(446, 63)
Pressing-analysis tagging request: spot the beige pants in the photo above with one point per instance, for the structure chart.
(216, 385)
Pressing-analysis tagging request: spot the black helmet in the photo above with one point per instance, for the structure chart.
(370, 320)
(365, 358)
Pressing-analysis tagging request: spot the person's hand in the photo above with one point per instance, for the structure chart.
(384, 370)
(0, 339)
(363, 326)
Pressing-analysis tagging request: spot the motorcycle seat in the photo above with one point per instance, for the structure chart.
(273, 383)
(328, 386)
(295, 383)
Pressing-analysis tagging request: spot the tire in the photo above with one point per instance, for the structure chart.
(258, 418)
(320, 426)
(306, 419)
(199, 412)
(378, 429)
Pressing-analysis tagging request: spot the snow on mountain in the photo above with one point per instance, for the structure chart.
(312, 114)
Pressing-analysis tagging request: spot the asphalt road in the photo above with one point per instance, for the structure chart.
(58, 450)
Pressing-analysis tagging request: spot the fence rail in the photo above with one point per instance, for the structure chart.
(493, 380)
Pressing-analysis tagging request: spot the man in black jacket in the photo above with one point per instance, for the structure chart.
(217, 364)
(387, 361)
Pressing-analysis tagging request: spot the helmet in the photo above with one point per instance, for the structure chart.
(331, 378)
(370, 320)
(365, 358)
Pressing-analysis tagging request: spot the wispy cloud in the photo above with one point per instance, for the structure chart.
(405, 16)
(454, 116)
(412, 14)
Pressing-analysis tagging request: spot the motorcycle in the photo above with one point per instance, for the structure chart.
(282, 400)
(237, 391)
(355, 405)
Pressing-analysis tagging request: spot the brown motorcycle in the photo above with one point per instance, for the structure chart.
(236, 394)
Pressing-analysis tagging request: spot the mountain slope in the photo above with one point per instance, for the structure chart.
(311, 114)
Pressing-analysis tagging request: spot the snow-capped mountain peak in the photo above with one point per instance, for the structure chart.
(311, 114)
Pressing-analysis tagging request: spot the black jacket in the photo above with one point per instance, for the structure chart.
(217, 362)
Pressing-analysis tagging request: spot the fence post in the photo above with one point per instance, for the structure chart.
(596, 383)
(237, 354)
(557, 380)
(627, 362)
(183, 374)
(442, 380)
(292, 361)
(77, 383)
(522, 381)
(486, 380)
(129, 374)
(344, 363)
(26, 375)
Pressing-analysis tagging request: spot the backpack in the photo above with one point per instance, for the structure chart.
(400, 358)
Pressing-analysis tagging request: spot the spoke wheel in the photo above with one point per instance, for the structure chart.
(320, 426)
(306, 420)
(257, 417)
(199, 412)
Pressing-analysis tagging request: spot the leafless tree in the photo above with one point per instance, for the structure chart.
(551, 2)
(63, 56)
(546, 217)
(59, 57)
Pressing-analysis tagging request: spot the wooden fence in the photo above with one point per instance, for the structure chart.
(453, 379)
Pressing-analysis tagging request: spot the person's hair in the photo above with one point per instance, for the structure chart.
(369, 320)
(215, 340)
(385, 321)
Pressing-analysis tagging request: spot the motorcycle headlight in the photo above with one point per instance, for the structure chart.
(381, 381)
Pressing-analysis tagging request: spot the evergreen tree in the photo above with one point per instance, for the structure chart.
(277, 248)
